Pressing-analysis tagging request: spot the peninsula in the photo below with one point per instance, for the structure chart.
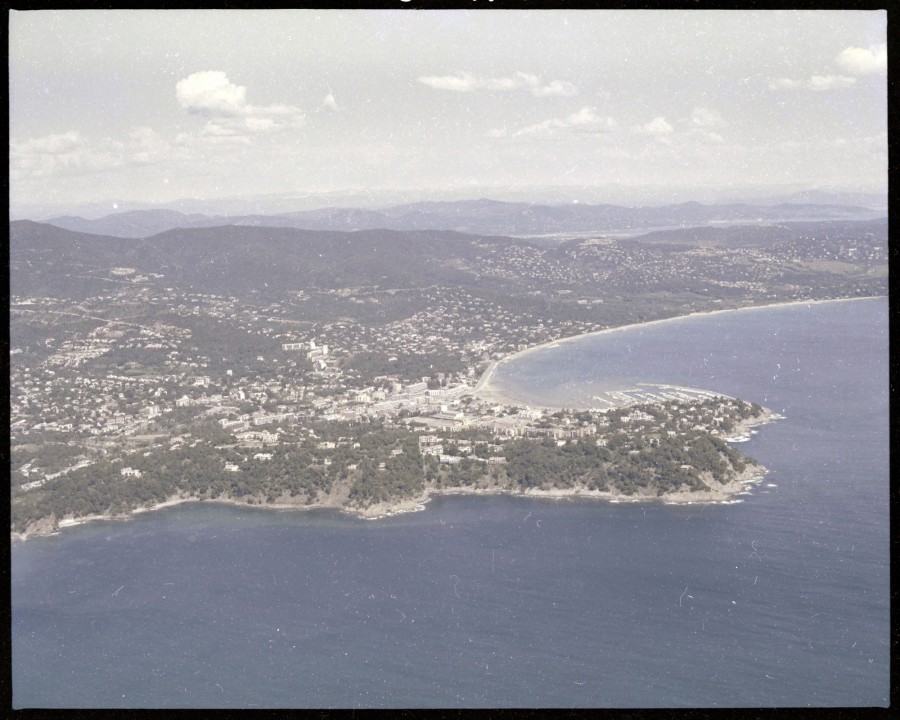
(673, 450)
(291, 368)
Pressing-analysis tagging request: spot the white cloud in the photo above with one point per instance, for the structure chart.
(465, 82)
(585, 116)
(815, 82)
(557, 87)
(50, 144)
(706, 118)
(71, 153)
(830, 82)
(330, 103)
(260, 124)
(514, 82)
(864, 61)
(853, 60)
(211, 95)
(784, 84)
(585, 120)
(456, 83)
(657, 126)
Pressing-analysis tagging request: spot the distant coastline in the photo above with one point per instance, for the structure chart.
(485, 391)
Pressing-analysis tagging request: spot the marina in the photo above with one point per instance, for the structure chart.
(650, 393)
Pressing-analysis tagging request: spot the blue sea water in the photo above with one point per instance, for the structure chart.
(782, 600)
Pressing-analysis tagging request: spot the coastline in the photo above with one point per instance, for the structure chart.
(717, 494)
(484, 390)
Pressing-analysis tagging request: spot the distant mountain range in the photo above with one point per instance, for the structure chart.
(824, 197)
(486, 217)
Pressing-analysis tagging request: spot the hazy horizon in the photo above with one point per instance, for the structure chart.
(309, 108)
(276, 203)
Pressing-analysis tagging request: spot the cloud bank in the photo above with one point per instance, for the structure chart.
(71, 153)
(465, 82)
(814, 82)
(853, 60)
(585, 120)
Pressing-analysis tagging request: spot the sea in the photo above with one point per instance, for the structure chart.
(504, 602)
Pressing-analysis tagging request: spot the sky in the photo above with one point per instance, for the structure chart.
(124, 107)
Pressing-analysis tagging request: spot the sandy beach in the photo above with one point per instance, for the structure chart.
(485, 391)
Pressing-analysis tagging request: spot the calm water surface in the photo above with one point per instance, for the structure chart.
(487, 602)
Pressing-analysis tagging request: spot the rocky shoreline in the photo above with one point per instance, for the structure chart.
(716, 494)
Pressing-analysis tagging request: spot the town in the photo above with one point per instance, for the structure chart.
(138, 362)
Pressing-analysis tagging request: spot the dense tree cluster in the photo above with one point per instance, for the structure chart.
(648, 451)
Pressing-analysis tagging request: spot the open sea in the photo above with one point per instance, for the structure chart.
(781, 600)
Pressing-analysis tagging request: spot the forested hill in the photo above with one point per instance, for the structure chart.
(749, 264)
(768, 235)
(238, 259)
